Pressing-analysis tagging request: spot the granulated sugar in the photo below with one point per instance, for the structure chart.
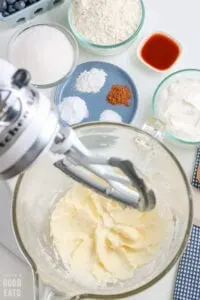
(45, 52)
(91, 81)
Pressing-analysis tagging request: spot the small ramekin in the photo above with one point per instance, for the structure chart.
(143, 42)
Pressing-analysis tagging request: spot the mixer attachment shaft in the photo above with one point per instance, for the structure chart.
(80, 164)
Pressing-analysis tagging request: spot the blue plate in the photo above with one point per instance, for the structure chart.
(97, 103)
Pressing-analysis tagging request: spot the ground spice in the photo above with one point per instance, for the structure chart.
(119, 94)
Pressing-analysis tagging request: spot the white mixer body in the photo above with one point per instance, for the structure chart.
(27, 125)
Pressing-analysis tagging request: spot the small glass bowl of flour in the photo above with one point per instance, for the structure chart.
(106, 27)
(176, 102)
(48, 51)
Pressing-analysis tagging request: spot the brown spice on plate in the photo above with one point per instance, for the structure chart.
(198, 174)
(119, 94)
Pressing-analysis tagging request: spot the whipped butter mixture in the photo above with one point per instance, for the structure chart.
(101, 239)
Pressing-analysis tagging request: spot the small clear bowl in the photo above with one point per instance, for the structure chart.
(104, 50)
(68, 35)
(185, 73)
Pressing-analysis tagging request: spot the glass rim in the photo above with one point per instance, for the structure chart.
(98, 46)
(67, 34)
(153, 105)
(172, 262)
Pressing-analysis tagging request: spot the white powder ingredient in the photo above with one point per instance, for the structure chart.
(179, 108)
(110, 116)
(91, 81)
(106, 22)
(45, 52)
(73, 110)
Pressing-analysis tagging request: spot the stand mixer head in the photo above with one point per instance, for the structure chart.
(28, 127)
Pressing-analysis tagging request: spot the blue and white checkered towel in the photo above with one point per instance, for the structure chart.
(195, 181)
(187, 286)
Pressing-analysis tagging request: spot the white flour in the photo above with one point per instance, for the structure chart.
(179, 108)
(110, 116)
(45, 52)
(73, 110)
(91, 81)
(106, 22)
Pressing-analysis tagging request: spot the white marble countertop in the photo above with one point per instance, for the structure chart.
(179, 18)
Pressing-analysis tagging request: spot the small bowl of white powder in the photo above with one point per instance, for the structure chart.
(106, 27)
(176, 102)
(48, 51)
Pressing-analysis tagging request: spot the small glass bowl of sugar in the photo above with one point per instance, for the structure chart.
(48, 51)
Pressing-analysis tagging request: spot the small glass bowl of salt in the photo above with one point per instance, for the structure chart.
(48, 51)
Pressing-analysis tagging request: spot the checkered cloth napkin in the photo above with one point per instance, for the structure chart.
(187, 286)
(196, 174)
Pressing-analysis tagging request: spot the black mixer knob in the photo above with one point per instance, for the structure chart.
(21, 78)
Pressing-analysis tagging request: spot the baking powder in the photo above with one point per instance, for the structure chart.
(106, 22)
(91, 81)
(45, 52)
(110, 116)
(73, 110)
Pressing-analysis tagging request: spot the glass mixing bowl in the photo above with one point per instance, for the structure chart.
(186, 73)
(67, 34)
(43, 185)
(104, 49)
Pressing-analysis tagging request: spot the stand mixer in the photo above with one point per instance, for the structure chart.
(28, 126)
(150, 177)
